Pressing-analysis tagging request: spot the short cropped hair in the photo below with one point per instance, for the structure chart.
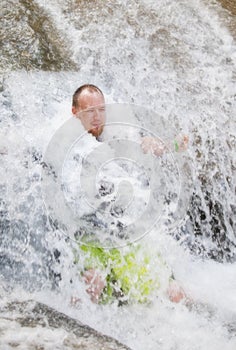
(88, 87)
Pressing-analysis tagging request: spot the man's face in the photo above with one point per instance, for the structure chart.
(91, 112)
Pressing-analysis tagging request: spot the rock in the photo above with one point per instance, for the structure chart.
(34, 325)
(31, 39)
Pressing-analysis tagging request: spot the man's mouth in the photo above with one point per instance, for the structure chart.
(96, 130)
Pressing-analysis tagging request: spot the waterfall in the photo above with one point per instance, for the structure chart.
(173, 58)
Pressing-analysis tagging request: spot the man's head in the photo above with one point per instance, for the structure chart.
(88, 105)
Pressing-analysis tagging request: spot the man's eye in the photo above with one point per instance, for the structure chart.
(89, 112)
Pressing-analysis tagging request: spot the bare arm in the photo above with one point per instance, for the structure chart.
(158, 147)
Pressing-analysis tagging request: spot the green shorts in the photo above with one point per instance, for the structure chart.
(132, 273)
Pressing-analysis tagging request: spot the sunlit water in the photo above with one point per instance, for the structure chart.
(172, 57)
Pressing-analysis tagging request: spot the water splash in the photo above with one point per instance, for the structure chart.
(175, 58)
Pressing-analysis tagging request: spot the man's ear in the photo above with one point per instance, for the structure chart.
(74, 112)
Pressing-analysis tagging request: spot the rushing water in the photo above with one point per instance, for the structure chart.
(173, 57)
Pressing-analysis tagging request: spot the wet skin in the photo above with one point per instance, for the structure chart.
(91, 112)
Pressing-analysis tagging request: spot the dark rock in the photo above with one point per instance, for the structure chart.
(31, 314)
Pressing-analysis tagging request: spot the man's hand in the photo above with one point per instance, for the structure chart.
(153, 145)
(175, 292)
(181, 143)
(95, 284)
(157, 147)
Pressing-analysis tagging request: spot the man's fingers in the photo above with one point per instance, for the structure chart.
(95, 282)
(153, 145)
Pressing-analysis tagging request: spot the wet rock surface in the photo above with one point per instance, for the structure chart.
(230, 5)
(229, 15)
(47, 328)
(30, 40)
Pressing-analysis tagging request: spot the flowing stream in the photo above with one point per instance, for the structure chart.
(176, 58)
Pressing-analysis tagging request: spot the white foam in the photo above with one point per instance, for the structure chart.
(185, 77)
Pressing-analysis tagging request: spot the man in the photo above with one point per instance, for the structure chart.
(88, 105)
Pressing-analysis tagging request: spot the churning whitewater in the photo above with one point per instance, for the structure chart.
(173, 58)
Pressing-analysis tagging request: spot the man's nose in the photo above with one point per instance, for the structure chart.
(96, 114)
